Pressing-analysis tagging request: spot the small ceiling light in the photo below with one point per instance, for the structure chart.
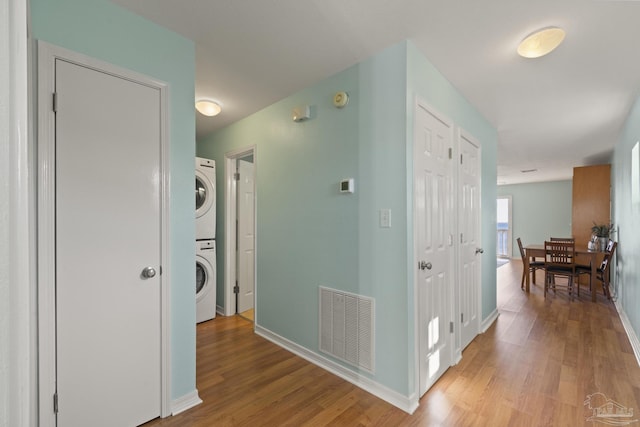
(541, 42)
(208, 107)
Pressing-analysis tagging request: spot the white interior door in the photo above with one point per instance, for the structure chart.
(246, 236)
(107, 233)
(470, 247)
(432, 186)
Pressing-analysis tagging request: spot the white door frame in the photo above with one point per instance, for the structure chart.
(18, 317)
(47, 55)
(460, 135)
(230, 198)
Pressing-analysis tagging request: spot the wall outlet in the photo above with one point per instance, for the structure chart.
(385, 218)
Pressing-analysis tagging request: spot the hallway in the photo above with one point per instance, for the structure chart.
(535, 366)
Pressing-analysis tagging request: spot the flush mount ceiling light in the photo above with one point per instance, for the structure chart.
(208, 107)
(541, 42)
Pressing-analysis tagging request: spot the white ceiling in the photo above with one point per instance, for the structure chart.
(551, 113)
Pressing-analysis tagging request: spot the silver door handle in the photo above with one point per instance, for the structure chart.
(479, 251)
(148, 272)
(424, 265)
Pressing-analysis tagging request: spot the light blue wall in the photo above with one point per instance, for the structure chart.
(102, 30)
(308, 234)
(383, 252)
(539, 210)
(427, 82)
(625, 217)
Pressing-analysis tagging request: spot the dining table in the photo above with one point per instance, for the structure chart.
(536, 250)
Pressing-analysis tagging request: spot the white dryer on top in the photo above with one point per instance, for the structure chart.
(205, 199)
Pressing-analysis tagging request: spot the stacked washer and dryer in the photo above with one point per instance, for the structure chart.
(205, 239)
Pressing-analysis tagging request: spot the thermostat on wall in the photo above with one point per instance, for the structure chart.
(346, 185)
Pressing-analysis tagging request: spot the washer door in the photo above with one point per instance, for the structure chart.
(203, 278)
(204, 194)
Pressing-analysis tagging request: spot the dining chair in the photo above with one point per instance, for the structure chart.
(602, 272)
(562, 239)
(533, 265)
(559, 262)
(611, 246)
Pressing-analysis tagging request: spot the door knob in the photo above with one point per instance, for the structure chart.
(479, 251)
(148, 272)
(425, 265)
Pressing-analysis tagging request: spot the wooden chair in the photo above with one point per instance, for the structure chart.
(565, 239)
(602, 273)
(533, 265)
(559, 262)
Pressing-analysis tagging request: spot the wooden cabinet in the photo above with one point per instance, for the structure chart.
(591, 200)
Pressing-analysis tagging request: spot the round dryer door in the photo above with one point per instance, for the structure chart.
(202, 280)
(204, 194)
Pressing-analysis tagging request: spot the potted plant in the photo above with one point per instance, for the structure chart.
(602, 233)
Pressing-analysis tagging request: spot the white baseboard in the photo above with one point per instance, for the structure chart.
(185, 402)
(220, 311)
(406, 403)
(633, 338)
(486, 323)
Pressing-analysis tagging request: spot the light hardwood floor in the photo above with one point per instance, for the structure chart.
(534, 367)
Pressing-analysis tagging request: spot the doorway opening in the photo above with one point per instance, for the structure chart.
(240, 224)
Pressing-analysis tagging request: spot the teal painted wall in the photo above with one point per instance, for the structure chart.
(539, 211)
(102, 30)
(308, 234)
(625, 217)
(426, 82)
(383, 252)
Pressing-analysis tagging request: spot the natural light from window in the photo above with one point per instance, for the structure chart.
(503, 227)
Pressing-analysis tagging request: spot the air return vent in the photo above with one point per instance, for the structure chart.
(347, 327)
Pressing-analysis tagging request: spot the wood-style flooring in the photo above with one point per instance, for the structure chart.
(535, 366)
(249, 314)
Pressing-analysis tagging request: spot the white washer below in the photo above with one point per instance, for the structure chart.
(205, 280)
(205, 199)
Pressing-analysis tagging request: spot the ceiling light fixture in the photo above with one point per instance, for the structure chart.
(541, 42)
(208, 107)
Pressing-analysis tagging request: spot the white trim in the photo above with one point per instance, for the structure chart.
(486, 323)
(185, 402)
(230, 196)
(47, 54)
(631, 334)
(406, 403)
(46, 243)
(165, 249)
(19, 322)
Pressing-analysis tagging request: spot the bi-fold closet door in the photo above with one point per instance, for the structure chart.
(446, 241)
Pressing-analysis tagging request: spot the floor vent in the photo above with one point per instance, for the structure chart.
(347, 327)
